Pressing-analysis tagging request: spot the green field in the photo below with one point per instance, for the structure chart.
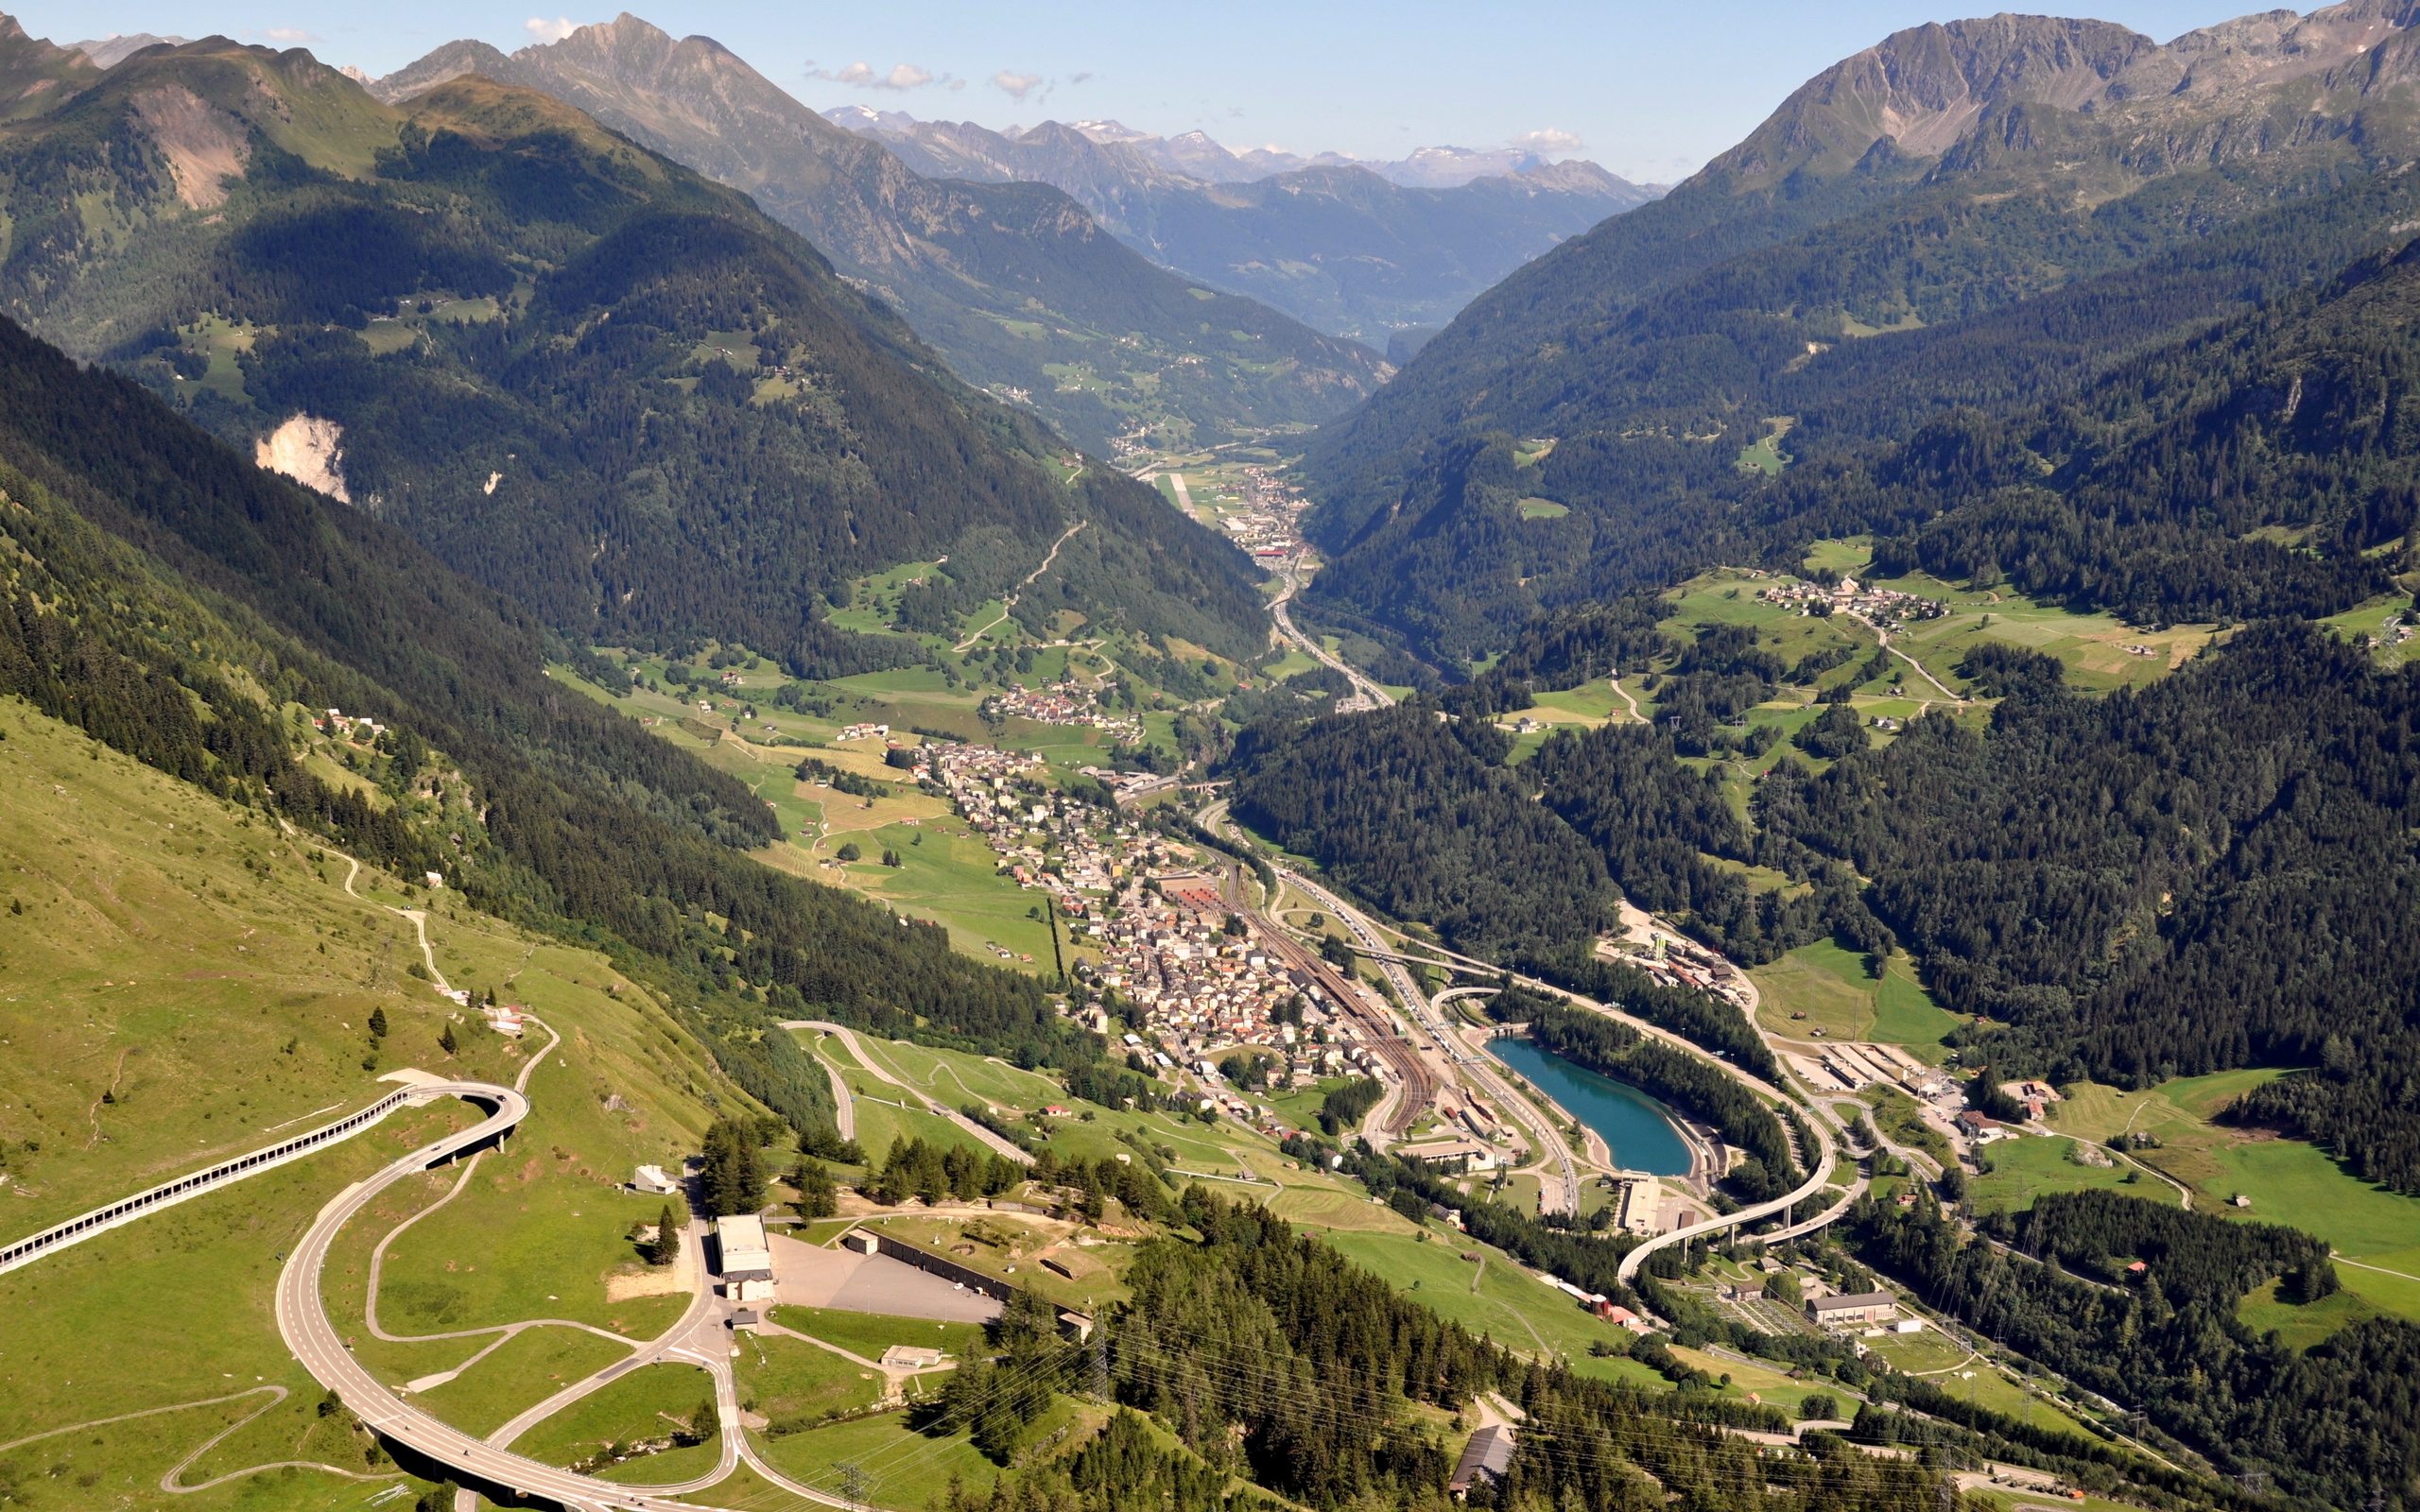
(524, 1370)
(2370, 619)
(1839, 994)
(1491, 1296)
(1952, 1368)
(956, 1077)
(534, 1234)
(641, 1405)
(905, 1470)
(2023, 1169)
(867, 1334)
(2374, 1232)
(791, 1380)
(1764, 454)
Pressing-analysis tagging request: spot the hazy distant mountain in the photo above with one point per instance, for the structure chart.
(1015, 284)
(1354, 248)
(1196, 155)
(108, 52)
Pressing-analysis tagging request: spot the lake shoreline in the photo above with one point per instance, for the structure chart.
(1639, 1130)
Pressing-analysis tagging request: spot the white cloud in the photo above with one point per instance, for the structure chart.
(294, 34)
(903, 76)
(1548, 143)
(543, 31)
(1015, 86)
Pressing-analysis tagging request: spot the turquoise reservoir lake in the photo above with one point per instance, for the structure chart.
(1636, 1126)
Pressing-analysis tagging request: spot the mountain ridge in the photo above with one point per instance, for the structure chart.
(1820, 248)
(579, 372)
(1339, 243)
(1198, 155)
(1017, 285)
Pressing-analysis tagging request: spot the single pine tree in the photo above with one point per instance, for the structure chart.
(378, 1024)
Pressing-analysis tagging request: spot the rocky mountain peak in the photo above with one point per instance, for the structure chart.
(1925, 89)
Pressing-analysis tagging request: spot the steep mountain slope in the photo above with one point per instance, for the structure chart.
(1338, 246)
(583, 374)
(2013, 202)
(195, 611)
(1015, 284)
(34, 74)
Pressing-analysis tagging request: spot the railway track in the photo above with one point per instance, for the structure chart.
(1415, 1084)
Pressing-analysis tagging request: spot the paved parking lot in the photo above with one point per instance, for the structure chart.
(806, 1276)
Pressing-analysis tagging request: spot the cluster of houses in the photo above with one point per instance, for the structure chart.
(1876, 605)
(357, 728)
(1159, 927)
(1197, 991)
(1065, 703)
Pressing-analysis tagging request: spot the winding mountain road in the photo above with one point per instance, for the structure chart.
(932, 1105)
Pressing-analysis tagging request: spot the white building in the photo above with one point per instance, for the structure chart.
(747, 1258)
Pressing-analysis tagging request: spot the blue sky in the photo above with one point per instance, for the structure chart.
(1649, 90)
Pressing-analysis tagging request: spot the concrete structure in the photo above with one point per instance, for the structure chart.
(860, 1241)
(852, 1282)
(746, 1260)
(1638, 1201)
(910, 1357)
(1854, 1308)
(27, 1250)
(1487, 1456)
(652, 1179)
(1438, 1152)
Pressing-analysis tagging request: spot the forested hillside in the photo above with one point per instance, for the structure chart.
(1862, 293)
(1016, 284)
(1277, 1359)
(186, 607)
(576, 371)
(2216, 872)
(2332, 1422)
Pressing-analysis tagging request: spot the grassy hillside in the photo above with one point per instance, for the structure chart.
(265, 603)
(185, 980)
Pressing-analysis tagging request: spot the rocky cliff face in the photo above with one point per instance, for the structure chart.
(2205, 96)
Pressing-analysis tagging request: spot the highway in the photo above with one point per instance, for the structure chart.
(697, 1339)
(1367, 694)
(1818, 1123)
(1544, 1137)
